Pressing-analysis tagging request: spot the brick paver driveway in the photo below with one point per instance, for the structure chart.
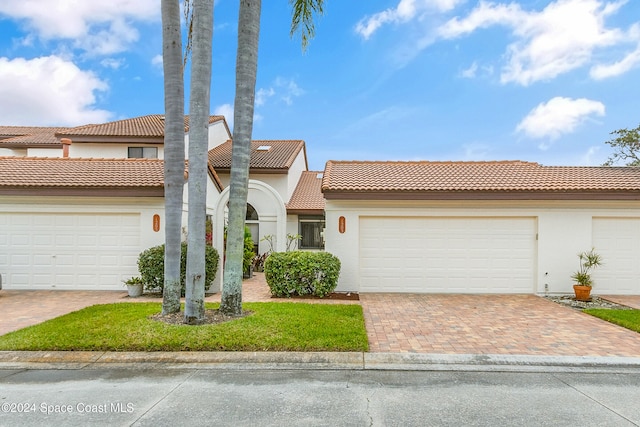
(490, 324)
(437, 324)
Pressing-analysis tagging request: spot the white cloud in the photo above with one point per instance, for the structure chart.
(282, 89)
(288, 89)
(99, 27)
(262, 95)
(629, 62)
(590, 157)
(112, 63)
(405, 11)
(559, 116)
(553, 41)
(225, 110)
(157, 61)
(470, 72)
(49, 91)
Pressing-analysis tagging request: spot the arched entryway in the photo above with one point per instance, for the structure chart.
(268, 217)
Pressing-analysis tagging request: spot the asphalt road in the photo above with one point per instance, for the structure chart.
(196, 397)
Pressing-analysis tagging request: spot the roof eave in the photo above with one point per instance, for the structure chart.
(266, 171)
(155, 191)
(482, 195)
(299, 211)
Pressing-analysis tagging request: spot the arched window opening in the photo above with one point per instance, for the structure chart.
(252, 221)
(252, 214)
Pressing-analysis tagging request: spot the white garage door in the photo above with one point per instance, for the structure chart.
(618, 241)
(68, 250)
(447, 255)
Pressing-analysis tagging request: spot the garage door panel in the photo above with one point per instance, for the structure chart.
(69, 250)
(465, 255)
(618, 241)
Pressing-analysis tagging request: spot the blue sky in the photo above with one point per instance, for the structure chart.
(534, 80)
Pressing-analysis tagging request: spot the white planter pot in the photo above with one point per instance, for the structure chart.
(135, 290)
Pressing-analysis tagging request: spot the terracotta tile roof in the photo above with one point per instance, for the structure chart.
(276, 155)
(26, 172)
(307, 197)
(465, 177)
(144, 126)
(29, 136)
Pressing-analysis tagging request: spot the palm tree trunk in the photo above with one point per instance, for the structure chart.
(246, 72)
(173, 151)
(198, 142)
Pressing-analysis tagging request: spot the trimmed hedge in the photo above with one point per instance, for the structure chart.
(301, 273)
(151, 266)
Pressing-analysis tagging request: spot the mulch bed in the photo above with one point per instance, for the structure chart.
(594, 302)
(351, 296)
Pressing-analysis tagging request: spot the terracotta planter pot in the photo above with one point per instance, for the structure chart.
(583, 293)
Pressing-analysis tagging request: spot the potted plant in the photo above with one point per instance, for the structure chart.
(134, 286)
(588, 261)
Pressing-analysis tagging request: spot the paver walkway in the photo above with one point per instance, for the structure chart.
(436, 324)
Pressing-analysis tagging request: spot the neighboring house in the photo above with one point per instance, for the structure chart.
(481, 227)
(78, 205)
(77, 223)
(30, 141)
(59, 184)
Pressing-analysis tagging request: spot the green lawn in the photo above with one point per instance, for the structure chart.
(127, 327)
(629, 319)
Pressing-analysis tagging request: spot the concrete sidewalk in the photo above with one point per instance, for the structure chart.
(18, 360)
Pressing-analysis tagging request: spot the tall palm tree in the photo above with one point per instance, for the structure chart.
(173, 151)
(302, 18)
(199, 100)
(246, 72)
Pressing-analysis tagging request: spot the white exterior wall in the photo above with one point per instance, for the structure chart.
(44, 152)
(8, 152)
(145, 208)
(212, 199)
(217, 135)
(278, 182)
(107, 150)
(564, 230)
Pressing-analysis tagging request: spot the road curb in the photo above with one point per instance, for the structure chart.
(313, 361)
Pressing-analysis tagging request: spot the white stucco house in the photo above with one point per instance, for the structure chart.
(481, 227)
(78, 205)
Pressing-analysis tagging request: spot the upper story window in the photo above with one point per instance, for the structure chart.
(143, 152)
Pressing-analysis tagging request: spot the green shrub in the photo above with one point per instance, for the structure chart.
(248, 253)
(301, 273)
(151, 266)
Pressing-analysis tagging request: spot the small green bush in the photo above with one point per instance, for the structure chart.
(151, 267)
(248, 253)
(301, 273)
